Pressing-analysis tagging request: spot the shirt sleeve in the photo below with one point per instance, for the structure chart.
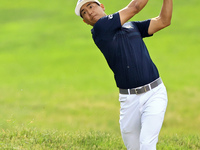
(143, 27)
(108, 24)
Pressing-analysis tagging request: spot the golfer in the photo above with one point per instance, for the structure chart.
(142, 94)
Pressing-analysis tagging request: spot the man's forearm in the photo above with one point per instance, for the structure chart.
(166, 11)
(131, 9)
(137, 5)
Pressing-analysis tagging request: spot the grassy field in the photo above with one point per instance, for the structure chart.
(57, 92)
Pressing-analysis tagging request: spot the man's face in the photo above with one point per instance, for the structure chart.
(92, 12)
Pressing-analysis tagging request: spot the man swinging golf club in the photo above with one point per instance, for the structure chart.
(142, 94)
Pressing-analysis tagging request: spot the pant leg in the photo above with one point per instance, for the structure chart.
(130, 121)
(153, 112)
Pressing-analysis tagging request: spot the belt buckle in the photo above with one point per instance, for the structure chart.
(143, 89)
(147, 87)
(135, 91)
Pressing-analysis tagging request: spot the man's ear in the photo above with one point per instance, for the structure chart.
(85, 21)
(102, 6)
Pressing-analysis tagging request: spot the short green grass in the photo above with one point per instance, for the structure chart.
(57, 92)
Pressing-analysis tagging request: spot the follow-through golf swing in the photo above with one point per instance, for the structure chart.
(142, 94)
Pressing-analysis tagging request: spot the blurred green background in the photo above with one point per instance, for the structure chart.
(52, 76)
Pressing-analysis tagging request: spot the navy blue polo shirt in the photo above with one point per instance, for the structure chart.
(125, 51)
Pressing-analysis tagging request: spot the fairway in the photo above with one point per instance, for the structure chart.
(57, 91)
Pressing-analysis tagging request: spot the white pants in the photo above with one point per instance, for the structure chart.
(141, 118)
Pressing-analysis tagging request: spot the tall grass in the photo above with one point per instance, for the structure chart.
(32, 138)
